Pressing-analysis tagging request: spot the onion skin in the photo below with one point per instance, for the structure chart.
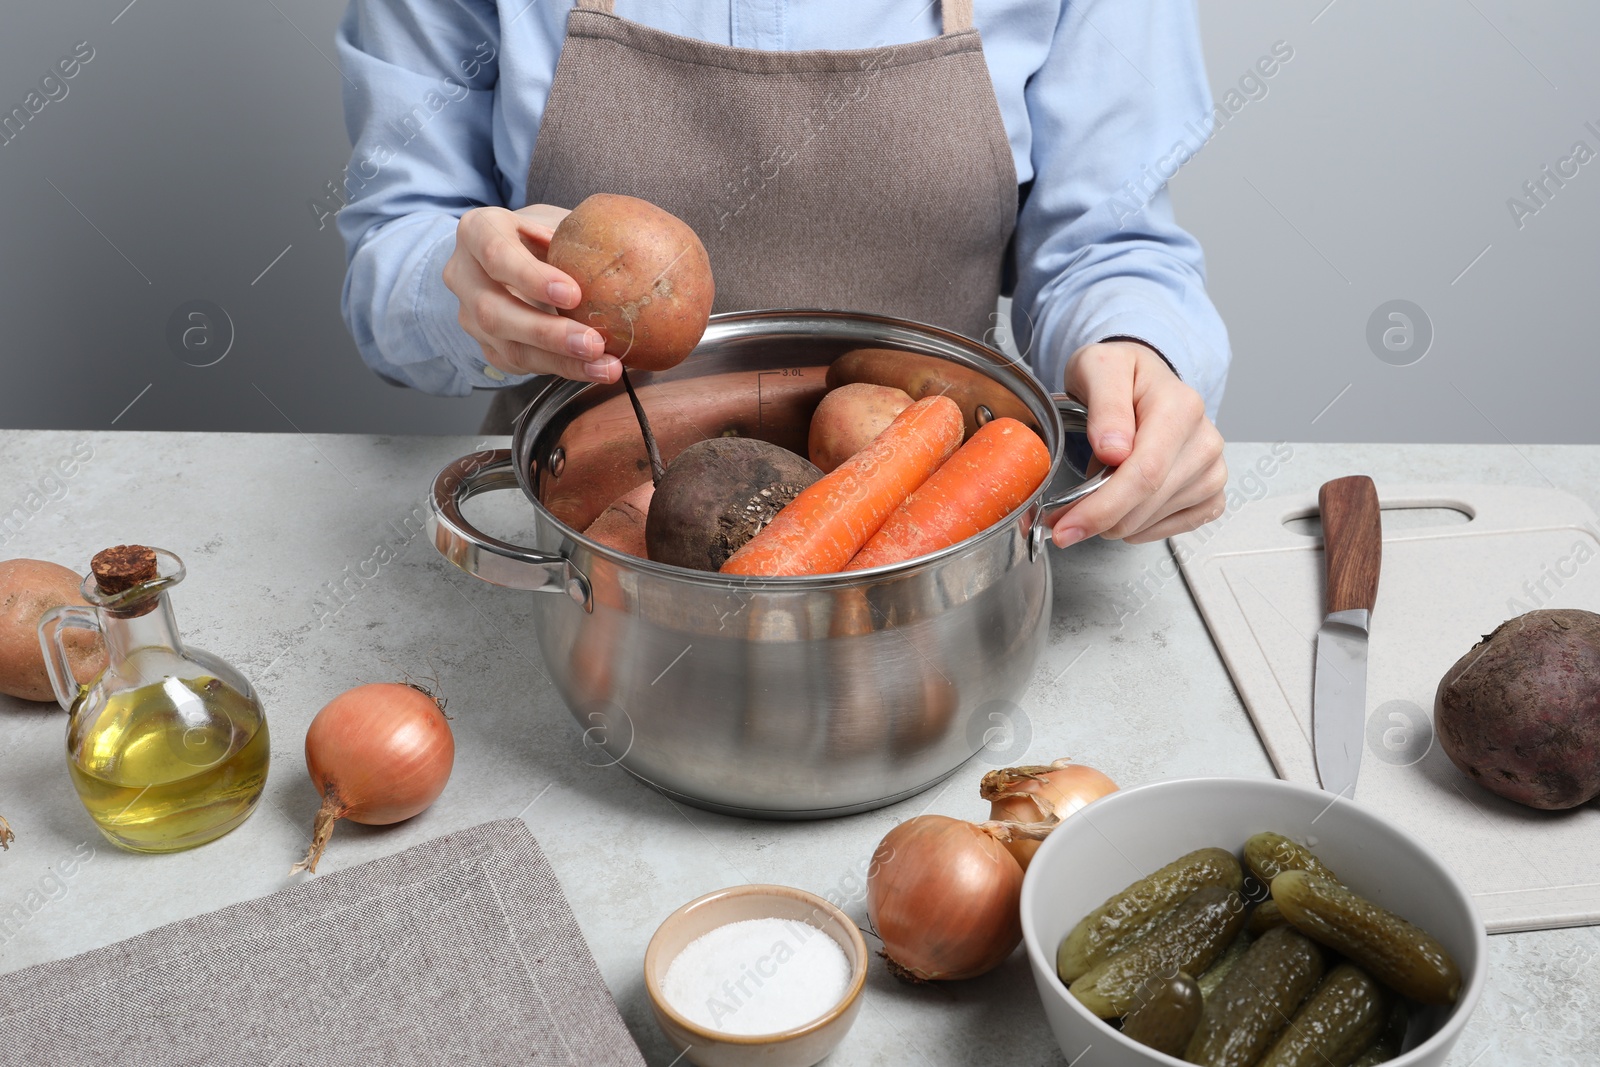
(946, 898)
(378, 754)
(1041, 794)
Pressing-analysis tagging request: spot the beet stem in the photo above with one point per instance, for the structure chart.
(658, 470)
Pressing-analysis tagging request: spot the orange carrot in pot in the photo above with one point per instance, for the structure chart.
(829, 521)
(998, 468)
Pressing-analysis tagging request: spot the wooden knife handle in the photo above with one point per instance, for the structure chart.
(1352, 537)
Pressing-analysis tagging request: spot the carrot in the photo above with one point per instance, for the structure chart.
(998, 468)
(831, 519)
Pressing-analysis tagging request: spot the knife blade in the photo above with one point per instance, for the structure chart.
(1352, 533)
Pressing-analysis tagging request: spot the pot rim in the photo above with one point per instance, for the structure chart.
(723, 324)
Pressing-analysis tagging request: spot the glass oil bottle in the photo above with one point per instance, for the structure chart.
(168, 747)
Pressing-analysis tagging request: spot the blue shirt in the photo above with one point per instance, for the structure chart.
(1102, 101)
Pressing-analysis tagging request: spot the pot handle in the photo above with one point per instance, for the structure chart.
(1074, 419)
(495, 561)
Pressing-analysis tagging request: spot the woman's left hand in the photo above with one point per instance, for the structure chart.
(1153, 428)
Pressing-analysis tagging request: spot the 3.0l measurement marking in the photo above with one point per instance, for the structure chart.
(787, 372)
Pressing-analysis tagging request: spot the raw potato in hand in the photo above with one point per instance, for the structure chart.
(28, 589)
(1520, 712)
(645, 278)
(849, 417)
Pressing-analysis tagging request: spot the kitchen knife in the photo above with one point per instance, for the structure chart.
(1352, 537)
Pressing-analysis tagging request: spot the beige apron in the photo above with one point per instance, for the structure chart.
(876, 179)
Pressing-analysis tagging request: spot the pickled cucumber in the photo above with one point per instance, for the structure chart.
(1212, 976)
(1338, 1023)
(1167, 1014)
(1118, 922)
(1256, 999)
(1268, 855)
(1391, 1041)
(1398, 954)
(1266, 915)
(1188, 938)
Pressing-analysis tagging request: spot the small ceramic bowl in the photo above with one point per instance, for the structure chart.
(799, 1047)
(1119, 838)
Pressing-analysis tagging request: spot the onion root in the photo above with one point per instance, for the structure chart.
(333, 809)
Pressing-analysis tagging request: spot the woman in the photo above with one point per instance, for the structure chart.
(891, 156)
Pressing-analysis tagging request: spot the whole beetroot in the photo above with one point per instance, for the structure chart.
(1520, 713)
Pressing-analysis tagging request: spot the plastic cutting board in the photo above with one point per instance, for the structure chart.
(1259, 586)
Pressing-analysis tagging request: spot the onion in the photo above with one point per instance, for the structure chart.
(378, 754)
(945, 896)
(1041, 794)
(6, 836)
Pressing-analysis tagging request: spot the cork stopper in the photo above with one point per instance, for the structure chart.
(122, 567)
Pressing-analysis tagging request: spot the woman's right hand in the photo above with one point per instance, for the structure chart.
(509, 296)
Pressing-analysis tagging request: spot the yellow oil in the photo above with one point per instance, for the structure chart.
(171, 765)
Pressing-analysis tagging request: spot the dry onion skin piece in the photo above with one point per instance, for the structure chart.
(1046, 794)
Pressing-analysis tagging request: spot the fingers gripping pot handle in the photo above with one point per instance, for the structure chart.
(482, 556)
(1074, 419)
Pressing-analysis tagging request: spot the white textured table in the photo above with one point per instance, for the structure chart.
(288, 542)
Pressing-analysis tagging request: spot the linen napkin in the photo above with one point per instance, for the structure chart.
(459, 950)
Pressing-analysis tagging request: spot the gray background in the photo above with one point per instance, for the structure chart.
(1376, 167)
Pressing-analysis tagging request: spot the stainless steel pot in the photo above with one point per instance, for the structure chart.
(774, 697)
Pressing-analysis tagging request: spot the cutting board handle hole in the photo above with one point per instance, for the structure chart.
(1395, 517)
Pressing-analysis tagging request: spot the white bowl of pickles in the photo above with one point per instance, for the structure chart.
(1240, 922)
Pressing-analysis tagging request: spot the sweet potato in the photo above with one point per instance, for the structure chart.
(1520, 712)
(621, 525)
(28, 589)
(849, 417)
(645, 278)
(716, 495)
(603, 455)
(921, 376)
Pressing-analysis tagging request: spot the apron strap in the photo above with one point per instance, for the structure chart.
(957, 14)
